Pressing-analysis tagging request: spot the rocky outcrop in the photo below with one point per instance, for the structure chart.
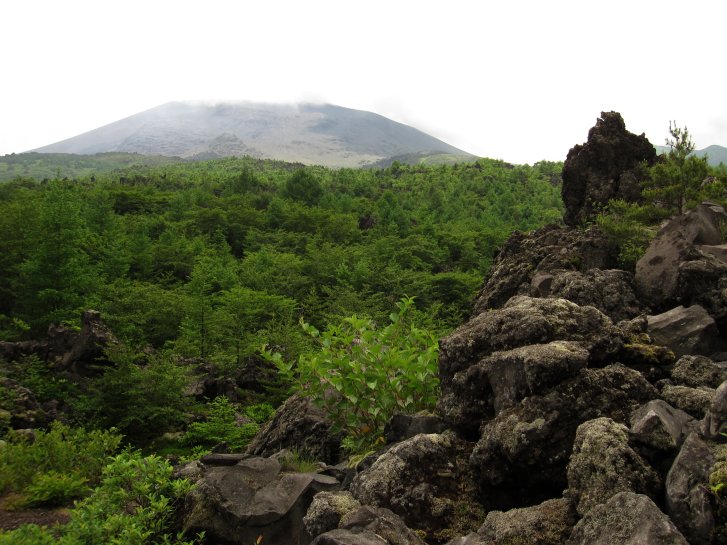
(676, 271)
(658, 430)
(298, 425)
(626, 519)
(607, 166)
(552, 248)
(698, 371)
(536, 437)
(603, 464)
(688, 501)
(693, 401)
(236, 504)
(327, 510)
(715, 421)
(686, 331)
(370, 526)
(425, 480)
(19, 409)
(548, 523)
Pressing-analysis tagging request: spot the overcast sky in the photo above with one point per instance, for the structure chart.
(515, 80)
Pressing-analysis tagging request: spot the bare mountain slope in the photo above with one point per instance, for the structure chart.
(308, 133)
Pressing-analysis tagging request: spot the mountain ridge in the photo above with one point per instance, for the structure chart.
(308, 133)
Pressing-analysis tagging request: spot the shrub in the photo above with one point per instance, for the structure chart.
(221, 426)
(361, 376)
(62, 456)
(133, 505)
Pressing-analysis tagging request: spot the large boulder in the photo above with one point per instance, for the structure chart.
(370, 526)
(610, 291)
(603, 464)
(626, 519)
(675, 271)
(19, 409)
(714, 425)
(688, 500)
(698, 371)
(502, 379)
(535, 438)
(327, 509)
(236, 504)
(693, 401)
(521, 322)
(548, 523)
(298, 425)
(685, 330)
(425, 480)
(658, 430)
(606, 167)
(523, 257)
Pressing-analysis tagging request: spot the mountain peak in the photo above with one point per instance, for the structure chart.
(308, 133)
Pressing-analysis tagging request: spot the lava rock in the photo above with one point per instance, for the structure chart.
(685, 331)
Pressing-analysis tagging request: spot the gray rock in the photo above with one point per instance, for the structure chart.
(536, 437)
(524, 261)
(298, 425)
(674, 271)
(236, 504)
(327, 509)
(404, 426)
(626, 519)
(502, 379)
(603, 464)
(523, 321)
(423, 480)
(370, 526)
(659, 428)
(548, 523)
(687, 494)
(693, 401)
(685, 330)
(610, 291)
(606, 167)
(715, 421)
(696, 371)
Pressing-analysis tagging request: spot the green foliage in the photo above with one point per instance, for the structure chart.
(56, 465)
(221, 426)
(133, 505)
(140, 399)
(675, 183)
(303, 186)
(626, 224)
(299, 463)
(362, 375)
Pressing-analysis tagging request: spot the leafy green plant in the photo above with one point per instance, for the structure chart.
(37, 470)
(221, 426)
(362, 375)
(133, 505)
(627, 225)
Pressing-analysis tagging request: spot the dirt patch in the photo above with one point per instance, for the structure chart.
(9, 520)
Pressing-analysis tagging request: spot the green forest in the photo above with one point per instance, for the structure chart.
(222, 269)
(228, 285)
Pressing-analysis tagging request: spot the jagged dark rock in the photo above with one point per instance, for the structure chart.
(626, 519)
(370, 526)
(551, 248)
(425, 480)
(404, 426)
(536, 437)
(603, 464)
(693, 401)
(688, 500)
(658, 430)
(686, 330)
(548, 523)
(697, 371)
(236, 504)
(675, 271)
(88, 351)
(20, 408)
(606, 167)
(300, 426)
(327, 509)
(714, 424)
